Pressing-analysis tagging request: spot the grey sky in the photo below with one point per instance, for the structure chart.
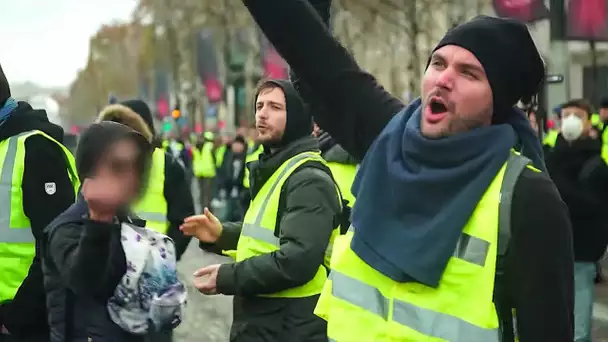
(46, 41)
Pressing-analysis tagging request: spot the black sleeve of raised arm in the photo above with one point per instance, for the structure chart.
(44, 164)
(357, 107)
(539, 263)
(179, 203)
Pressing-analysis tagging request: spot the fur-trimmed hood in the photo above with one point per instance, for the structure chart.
(126, 116)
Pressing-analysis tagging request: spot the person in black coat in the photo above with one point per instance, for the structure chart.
(47, 191)
(83, 258)
(230, 179)
(576, 153)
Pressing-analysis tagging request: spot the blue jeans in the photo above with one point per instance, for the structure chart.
(584, 287)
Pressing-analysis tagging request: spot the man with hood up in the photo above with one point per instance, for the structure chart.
(167, 199)
(457, 233)
(283, 244)
(37, 183)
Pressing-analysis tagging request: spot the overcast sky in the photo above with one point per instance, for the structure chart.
(46, 41)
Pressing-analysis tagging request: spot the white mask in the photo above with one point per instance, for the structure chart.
(572, 127)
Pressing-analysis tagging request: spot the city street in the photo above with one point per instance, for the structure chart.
(600, 311)
(207, 318)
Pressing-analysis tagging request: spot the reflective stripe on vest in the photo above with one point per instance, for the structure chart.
(152, 207)
(257, 234)
(460, 309)
(17, 243)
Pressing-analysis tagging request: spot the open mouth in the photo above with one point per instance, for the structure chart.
(437, 106)
(436, 110)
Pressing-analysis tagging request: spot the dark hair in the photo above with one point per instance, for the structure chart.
(265, 84)
(579, 103)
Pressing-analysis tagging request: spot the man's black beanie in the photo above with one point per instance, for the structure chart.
(505, 49)
(5, 91)
(299, 120)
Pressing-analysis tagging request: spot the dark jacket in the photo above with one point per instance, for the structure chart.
(83, 260)
(176, 188)
(44, 163)
(566, 163)
(308, 212)
(231, 172)
(539, 262)
(336, 154)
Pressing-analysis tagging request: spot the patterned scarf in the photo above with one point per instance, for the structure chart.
(9, 106)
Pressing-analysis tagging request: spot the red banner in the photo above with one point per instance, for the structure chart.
(587, 20)
(523, 10)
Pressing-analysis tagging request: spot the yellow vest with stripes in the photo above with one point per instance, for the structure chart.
(257, 235)
(361, 304)
(17, 243)
(203, 163)
(152, 207)
(253, 156)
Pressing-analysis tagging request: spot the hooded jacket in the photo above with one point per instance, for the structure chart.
(176, 188)
(83, 260)
(308, 211)
(44, 163)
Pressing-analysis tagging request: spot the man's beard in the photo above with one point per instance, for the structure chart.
(272, 142)
(455, 125)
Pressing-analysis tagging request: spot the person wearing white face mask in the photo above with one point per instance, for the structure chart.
(578, 149)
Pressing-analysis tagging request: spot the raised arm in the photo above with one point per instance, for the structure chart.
(357, 107)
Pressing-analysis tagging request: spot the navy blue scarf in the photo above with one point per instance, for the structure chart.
(415, 195)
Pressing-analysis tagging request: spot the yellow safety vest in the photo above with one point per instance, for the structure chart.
(203, 164)
(344, 175)
(551, 138)
(220, 152)
(17, 243)
(253, 156)
(257, 234)
(361, 304)
(152, 207)
(596, 121)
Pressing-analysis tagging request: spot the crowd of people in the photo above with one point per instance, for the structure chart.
(350, 216)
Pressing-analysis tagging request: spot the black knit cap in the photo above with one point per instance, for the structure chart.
(5, 91)
(505, 49)
(299, 121)
(141, 108)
